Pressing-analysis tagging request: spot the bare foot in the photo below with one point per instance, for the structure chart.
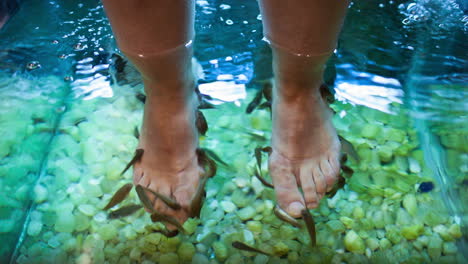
(305, 146)
(169, 164)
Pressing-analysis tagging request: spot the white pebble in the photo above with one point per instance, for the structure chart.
(228, 206)
(100, 217)
(87, 209)
(40, 193)
(65, 222)
(241, 182)
(34, 228)
(53, 242)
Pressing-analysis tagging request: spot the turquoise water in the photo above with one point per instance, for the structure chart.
(67, 131)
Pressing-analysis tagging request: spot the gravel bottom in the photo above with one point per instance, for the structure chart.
(379, 216)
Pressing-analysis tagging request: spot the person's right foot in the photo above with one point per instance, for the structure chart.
(169, 164)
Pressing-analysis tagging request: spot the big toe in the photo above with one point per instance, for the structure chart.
(287, 192)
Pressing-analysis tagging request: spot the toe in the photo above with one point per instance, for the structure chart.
(320, 182)
(287, 191)
(183, 196)
(137, 174)
(334, 164)
(328, 175)
(159, 205)
(309, 187)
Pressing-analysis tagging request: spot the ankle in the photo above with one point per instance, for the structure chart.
(297, 90)
(175, 91)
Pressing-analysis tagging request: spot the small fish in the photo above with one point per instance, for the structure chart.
(119, 196)
(205, 105)
(166, 199)
(165, 232)
(124, 211)
(310, 224)
(136, 133)
(343, 158)
(80, 120)
(265, 105)
(326, 94)
(206, 161)
(256, 136)
(348, 148)
(426, 187)
(136, 158)
(255, 102)
(37, 120)
(267, 150)
(214, 156)
(281, 214)
(158, 217)
(200, 122)
(347, 169)
(267, 90)
(141, 97)
(339, 185)
(258, 157)
(263, 181)
(243, 246)
(168, 233)
(199, 194)
(197, 199)
(204, 100)
(144, 198)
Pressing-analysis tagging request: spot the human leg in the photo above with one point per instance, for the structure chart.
(156, 36)
(302, 35)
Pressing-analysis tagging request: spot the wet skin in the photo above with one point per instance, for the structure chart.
(169, 165)
(306, 150)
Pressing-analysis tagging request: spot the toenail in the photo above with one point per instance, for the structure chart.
(294, 209)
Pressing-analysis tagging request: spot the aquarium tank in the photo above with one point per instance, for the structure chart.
(70, 103)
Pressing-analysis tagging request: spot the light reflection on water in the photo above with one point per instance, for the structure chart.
(373, 60)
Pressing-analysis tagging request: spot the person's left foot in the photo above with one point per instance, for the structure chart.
(306, 149)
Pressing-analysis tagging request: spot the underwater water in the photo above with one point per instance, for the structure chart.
(69, 107)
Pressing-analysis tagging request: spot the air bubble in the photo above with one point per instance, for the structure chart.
(229, 22)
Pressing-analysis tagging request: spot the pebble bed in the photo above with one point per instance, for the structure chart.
(379, 216)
